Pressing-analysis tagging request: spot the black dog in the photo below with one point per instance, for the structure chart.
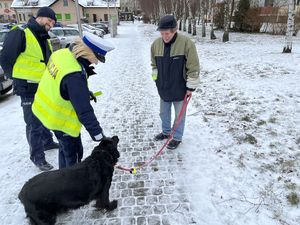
(52, 192)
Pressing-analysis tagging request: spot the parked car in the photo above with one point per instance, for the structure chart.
(98, 30)
(89, 29)
(5, 82)
(102, 26)
(66, 35)
(2, 37)
(55, 42)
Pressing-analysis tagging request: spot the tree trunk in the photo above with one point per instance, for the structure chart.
(190, 16)
(194, 27)
(226, 21)
(189, 25)
(231, 12)
(180, 24)
(289, 30)
(203, 28)
(184, 17)
(212, 33)
(161, 9)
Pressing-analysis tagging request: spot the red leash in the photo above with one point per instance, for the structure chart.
(186, 101)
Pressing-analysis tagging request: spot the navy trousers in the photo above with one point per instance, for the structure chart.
(70, 149)
(37, 135)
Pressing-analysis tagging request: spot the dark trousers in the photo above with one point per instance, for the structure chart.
(70, 149)
(37, 135)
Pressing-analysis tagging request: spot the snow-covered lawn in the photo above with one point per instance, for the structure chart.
(242, 145)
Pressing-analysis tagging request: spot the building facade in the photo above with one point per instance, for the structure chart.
(90, 10)
(7, 14)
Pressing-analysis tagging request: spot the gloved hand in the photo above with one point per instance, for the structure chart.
(93, 97)
(99, 137)
(154, 74)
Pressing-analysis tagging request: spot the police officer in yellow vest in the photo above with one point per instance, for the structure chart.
(62, 101)
(24, 57)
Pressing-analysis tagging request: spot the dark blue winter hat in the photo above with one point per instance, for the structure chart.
(167, 22)
(46, 12)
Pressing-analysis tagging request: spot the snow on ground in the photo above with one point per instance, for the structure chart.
(243, 132)
(240, 154)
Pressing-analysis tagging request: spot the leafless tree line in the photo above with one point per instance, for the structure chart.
(189, 13)
(220, 12)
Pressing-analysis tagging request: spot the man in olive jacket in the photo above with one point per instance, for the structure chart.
(175, 69)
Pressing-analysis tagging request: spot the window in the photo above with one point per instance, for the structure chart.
(24, 17)
(65, 2)
(87, 15)
(5, 5)
(20, 17)
(269, 3)
(58, 16)
(0, 5)
(67, 16)
(71, 33)
(58, 32)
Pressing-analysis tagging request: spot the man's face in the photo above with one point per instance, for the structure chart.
(167, 35)
(45, 22)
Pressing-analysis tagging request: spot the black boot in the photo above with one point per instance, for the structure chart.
(161, 137)
(44, 165)
(173, 144)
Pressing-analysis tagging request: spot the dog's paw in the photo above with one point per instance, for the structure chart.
(99, 205)
(112, 205)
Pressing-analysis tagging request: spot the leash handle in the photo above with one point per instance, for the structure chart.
(133, 170)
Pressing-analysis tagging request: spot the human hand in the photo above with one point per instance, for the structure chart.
(189, 93)
(93, 97)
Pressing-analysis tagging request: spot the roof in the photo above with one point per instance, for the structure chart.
(99, 3)
(83, 3)
(26, 3)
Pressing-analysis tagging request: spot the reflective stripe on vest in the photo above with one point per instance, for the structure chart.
(49, 107)
(29, 64)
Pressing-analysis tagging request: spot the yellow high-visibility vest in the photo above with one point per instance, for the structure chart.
(30, 64)
(49, 107)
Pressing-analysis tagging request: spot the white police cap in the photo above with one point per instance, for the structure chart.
(97, 44)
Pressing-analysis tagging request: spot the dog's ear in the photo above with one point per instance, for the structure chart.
(115, 140)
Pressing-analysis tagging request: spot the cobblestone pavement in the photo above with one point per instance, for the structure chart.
(128, 108)
(152, 196)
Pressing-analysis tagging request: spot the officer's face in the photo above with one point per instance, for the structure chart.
(45, 22)
(167, 35)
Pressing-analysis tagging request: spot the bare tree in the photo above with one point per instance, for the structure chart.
(202, 13)
(189, 6)
(290, 28)
(184, 16)
(226, 20)
(212, 33)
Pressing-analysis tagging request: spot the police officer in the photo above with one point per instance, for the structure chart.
(24, 57)
(62, 101)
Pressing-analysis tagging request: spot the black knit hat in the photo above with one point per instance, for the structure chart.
(167, 22)
(46, 12)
